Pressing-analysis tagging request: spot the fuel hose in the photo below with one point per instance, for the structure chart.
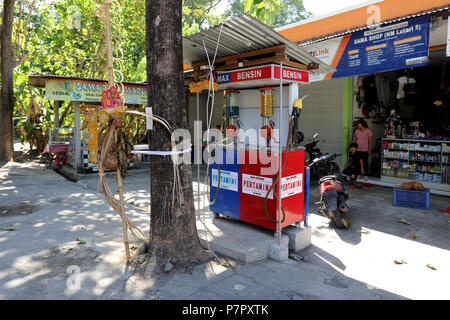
(275, 180)
(218, 185)
(218, 175)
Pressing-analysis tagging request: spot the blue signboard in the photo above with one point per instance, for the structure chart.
(228, 198)
(224, 78)
(396, 46)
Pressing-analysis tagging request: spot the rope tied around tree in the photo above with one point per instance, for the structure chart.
(115, 148)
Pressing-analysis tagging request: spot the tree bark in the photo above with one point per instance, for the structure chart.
(7, 99)
(64, 114)
(173, 232)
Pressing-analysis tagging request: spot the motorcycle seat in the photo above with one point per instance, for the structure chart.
(328, 178)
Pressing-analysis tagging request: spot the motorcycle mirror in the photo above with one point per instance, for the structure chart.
(315, 136)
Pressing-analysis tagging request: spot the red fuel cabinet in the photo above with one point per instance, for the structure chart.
(245, 184)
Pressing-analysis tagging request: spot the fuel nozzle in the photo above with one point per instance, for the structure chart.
(297, 107)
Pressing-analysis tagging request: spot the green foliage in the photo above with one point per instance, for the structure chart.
(274, 13)
(264, 10)
(31, 118)
(71, 35)
(65, 37)
(198, 14)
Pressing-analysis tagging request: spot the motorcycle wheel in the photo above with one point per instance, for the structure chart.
(336, 217)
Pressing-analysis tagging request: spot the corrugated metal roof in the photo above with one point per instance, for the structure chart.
(240, 35)
(38, 80)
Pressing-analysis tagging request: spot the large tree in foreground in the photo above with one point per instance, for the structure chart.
(173, 232)
(7, 90)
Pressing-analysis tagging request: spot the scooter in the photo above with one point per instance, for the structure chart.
(332, 191)
(313, 153)
(311, 149)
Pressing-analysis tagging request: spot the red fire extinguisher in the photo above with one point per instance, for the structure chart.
(57, 159)
(60, 159)
(63, 159)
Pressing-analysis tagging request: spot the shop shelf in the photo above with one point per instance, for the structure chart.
(435, 172)
(424, 161)
(396, 158)
(411, 198)
(429, 151)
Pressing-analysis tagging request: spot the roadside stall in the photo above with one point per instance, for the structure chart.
(73, 145)
(58, 143)
(394, 76)
(255, 163)
(256, 74)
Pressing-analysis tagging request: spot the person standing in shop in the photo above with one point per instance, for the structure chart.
(364, 139)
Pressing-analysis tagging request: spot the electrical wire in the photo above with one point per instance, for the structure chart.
(208, 124)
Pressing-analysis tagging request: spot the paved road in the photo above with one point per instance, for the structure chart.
(47, 213)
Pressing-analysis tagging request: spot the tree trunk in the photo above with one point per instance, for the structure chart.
(64, 114)
(7, 92)
(173, 232)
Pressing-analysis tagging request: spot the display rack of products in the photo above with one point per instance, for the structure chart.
(420, 160)
(446, 163)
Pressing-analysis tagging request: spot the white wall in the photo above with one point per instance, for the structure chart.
(249, 102)
(322, 114)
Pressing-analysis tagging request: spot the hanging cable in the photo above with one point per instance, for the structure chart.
(208, 124)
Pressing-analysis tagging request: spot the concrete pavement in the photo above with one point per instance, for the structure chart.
(341, 264)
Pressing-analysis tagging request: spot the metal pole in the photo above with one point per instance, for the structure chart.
(109, 53)
(56, 107)
(118, 119)
(306, 189)
(280, 153)
(197, 156)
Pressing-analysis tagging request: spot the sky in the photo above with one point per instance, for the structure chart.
(321, 7)
(317, 7)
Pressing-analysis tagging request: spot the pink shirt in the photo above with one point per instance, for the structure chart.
(362, 139)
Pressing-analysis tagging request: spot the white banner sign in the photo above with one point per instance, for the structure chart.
(258, 186)
(228, 179)
(291, 185)
(325, 51)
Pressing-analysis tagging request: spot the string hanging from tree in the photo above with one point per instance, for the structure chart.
(116, 148)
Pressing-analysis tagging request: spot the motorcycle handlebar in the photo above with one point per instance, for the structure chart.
(326, 157)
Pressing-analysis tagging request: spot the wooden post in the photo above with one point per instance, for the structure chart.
(56, 106)
(122, 210)
(109, 53)
(118, 119)
(77, 135)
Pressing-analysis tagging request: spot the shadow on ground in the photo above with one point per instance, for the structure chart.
(371, 208)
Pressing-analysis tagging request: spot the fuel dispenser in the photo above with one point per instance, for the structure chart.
(267, 113)
(231, 115)
(254, 191)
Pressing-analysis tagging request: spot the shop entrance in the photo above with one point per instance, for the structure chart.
(407, 111)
